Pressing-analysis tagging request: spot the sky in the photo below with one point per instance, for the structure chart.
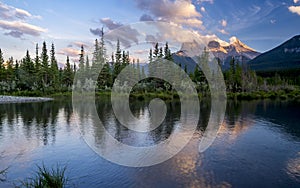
(261, 24)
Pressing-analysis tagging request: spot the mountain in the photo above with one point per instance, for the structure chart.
(220, 49)
(285, 56)
(225, 51)
(182, 59)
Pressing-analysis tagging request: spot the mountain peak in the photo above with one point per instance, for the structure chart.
(235, 48)
(234, 40)
(239, 45)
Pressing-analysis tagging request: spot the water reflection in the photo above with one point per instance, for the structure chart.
(259, 139)
(36, 120)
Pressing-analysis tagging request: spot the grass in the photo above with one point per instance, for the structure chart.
(47, 178)
(280, 94)
(283, 94)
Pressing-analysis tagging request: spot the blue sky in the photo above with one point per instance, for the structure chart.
(261, 24)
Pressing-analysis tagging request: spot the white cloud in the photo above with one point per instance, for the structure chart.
(223, 23)
(295, 9)
(21, 27)
(223, 31)
(202, 9)
(296, 1)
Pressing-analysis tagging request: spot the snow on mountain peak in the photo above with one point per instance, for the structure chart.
(234, 39)
(240, 47)
(235, 48)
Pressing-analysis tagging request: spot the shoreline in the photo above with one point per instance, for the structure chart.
(5, 99)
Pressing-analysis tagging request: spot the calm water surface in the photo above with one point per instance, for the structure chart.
(257, 146)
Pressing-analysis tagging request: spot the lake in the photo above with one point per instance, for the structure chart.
(258, 145)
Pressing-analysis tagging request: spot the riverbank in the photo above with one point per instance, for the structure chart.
(27, 96)
(15, 99)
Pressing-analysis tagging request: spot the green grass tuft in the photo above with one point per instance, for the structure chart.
(47, 178)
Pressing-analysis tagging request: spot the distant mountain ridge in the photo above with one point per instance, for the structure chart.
(285, 56)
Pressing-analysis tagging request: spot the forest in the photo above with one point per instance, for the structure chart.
(41, 75)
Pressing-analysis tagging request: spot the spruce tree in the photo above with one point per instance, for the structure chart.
(156, 51)
(81, 71)
(44, 72)
(68, 74)
(150, 56)
(54, 69)
(2, 68)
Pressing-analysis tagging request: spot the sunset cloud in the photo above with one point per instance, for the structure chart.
(110, 24)
(223, 31)
(14, 21)
(11, 13)
(295, 9)
(71, 52)
(181, 12)
(21, 28)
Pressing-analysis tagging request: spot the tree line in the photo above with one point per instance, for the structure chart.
(42, 75)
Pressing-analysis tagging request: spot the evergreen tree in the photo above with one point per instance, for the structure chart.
(81, 58)
(54, 69)
(118, 53)
(81, 71)
(10, 70)
(2, 68)
(87, 64)
(96, 54)
(156, 51)
(160, 55)
(167, 52)
(150, 56)
(37, 59)
(68, 75)
(118, 61)
(44, 72)
(27, 77)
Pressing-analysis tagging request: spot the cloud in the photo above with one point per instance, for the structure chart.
(97, 31)
(295, 9)
(107, 22)
(296, 1)
(272, 21)
(141, 52)
(223, 23)
(15, 34)
(21, 27)
(205, 1)
(146, 17)
(181, 12)
(203, 9)
(69, 52)
(79, 44)
(14, 21)
(11, 13)
(223, 31)
(125, 34)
